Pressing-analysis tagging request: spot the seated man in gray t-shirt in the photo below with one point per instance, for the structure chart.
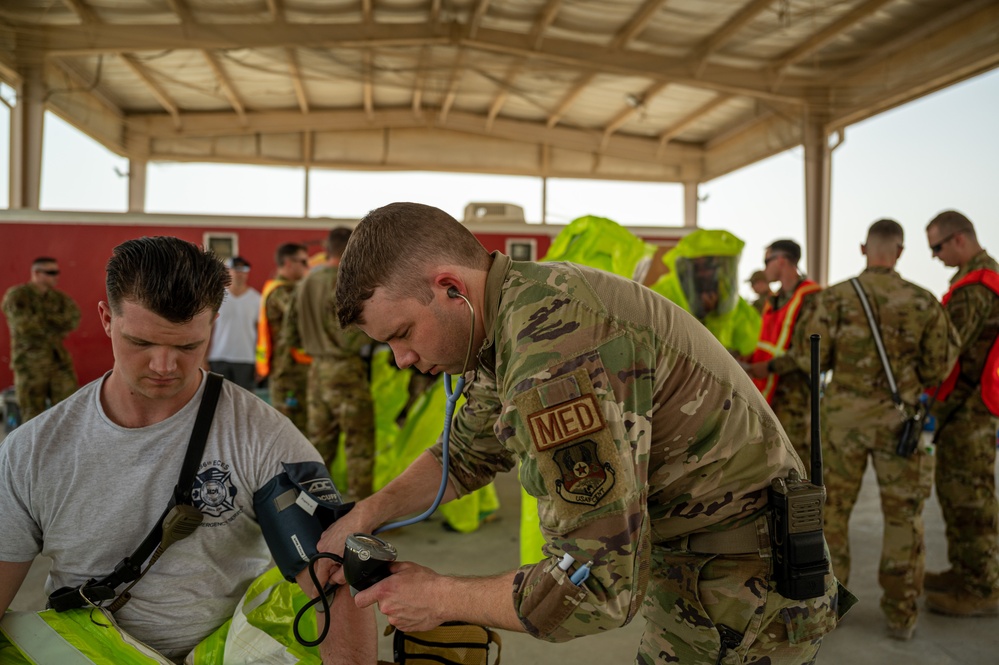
(84, 482)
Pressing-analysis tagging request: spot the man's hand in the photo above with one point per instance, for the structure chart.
(333, 539)
(411, 597)
(758, 370)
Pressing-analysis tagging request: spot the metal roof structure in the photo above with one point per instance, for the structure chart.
(647, 90)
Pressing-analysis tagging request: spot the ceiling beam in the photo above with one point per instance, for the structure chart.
(92, 39)
(535, 37)
(635, 24)
(83, 11)
(296, 80)
(183, 12)
(276, 9)
(544, 20)
(457, 69)
(368, 90)
(159, 93)
(833, 30)
(698, 57)
(923, 30)
(686, 121)
(228, 89)
(569, 99)
(213, 125)
(631, 109)
(419, 81)
(367, 12)
(476, 19)
(87, 85)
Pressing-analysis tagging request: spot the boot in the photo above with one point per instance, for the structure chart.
(944, 582)
(901, 633)
(961, 603)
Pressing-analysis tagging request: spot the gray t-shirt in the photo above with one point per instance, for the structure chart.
(234, 337)
(84, 491)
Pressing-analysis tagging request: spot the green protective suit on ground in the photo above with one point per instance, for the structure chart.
(737, 324)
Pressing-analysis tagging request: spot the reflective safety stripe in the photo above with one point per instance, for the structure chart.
(39, 641)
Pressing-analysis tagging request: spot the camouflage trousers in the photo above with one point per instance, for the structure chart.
(289, 395)
(904, 484)
(339, 401)
(966, 459)
(722, 609)
(43, 386)
(791, 406)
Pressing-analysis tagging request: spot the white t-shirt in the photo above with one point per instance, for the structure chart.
(84, 491)
(234, 337)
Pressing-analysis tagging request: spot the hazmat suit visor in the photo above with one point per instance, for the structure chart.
(710, 283)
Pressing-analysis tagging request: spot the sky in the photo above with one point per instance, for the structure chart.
(937, 153)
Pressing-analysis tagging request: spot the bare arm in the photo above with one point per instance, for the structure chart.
(353, 638)
(12, 574)
(416, 598)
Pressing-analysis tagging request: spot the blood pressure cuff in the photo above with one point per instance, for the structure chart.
(293, 509)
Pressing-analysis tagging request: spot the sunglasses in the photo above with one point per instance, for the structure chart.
(937, 247)
(50, 273)
(774, 257)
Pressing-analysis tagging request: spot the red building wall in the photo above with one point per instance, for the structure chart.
(82, 250)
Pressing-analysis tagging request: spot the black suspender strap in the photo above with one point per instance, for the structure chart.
(94, 592)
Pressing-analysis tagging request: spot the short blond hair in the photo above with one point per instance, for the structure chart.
(393, 246)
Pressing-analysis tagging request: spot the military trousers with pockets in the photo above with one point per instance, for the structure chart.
(45, 384)
(708, 609)
(904, 484)
(966, 487)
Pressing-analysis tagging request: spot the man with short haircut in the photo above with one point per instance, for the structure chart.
(286, 369)
(648, 449)
(339, 395)
(39, 317)
(860, 419)
(85, 481)
(234, 339)
(778, 377)
(966, 410)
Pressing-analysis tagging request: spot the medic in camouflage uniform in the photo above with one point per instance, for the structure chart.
(966, 426)
(286, 368)
(339, 394)
(648, 449)
(860, 420)
(39, 317)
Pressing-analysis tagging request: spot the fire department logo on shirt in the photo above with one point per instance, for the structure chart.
(585, 479)
(214, 492)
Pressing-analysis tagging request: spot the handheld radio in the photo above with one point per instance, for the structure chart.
(796, 504)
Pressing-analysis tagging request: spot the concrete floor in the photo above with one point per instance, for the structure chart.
(860, 640)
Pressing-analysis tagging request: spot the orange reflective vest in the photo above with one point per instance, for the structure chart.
(990, 373)
(776, 331)
(265, 346)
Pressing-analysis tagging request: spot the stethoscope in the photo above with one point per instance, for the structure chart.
(365, 557)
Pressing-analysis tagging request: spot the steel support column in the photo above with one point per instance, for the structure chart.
(137, 185)
(27, 123)
(818, 185)
(690, 202)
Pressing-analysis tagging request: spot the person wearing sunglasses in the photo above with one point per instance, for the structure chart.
(966, 407)
(782, 383)
(39, 317)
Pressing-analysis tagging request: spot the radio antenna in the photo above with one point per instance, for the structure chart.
(816, 447)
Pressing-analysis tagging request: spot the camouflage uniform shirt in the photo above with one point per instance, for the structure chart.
(919, 340)
(632, 424)
(38, 323)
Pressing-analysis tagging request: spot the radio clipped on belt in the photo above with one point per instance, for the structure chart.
(796, 506)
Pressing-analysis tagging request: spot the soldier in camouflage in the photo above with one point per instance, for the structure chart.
(286, 368)
(339, 395)
(860, 420)
(966, 426)
(39, 317)
(648, 449)
(778, 377)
